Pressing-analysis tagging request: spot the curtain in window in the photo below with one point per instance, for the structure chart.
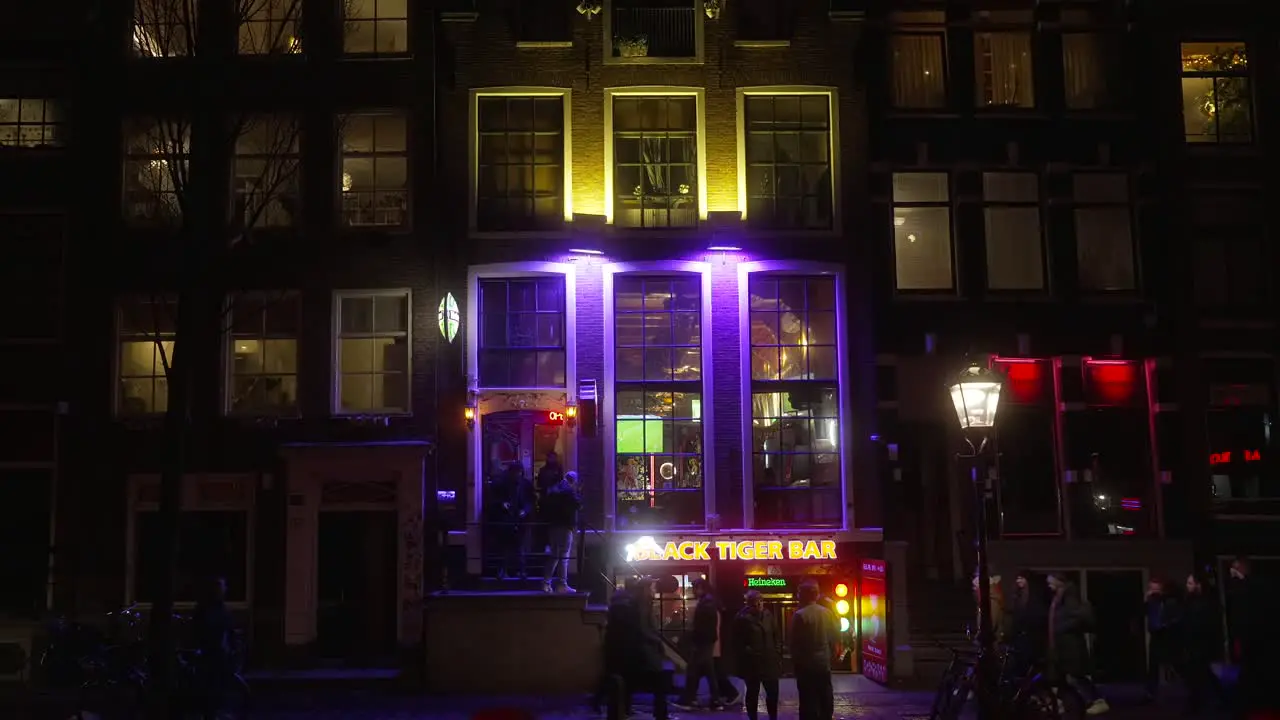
(1083, 79)
(918, 80)
(1004, 69)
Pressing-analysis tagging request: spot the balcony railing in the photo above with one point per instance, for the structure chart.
(654, 32)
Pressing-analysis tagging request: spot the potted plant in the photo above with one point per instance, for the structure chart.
(632, 46)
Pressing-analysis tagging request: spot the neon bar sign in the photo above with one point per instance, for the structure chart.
(764, 582)
(646, 548)
(1224, 458)
(555, 418)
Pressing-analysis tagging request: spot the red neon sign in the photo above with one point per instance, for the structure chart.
(1224, 458)
(555, 418)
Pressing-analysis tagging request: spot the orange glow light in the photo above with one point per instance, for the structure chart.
(842, 590)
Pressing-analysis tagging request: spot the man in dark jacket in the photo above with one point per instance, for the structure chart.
(517, 508)
(1027, 618)
(560, 512)
(213, 628)
(1162, 627)
(1070, 619)
(702, 646)
(1199, 635)
(633, 649)
(1254, 637)
(813, 643)
(758, 652)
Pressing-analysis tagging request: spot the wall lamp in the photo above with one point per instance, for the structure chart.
(571, 413)
(469, 411)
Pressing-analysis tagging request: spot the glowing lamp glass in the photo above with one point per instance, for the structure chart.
(842, 590)
(469, 413)
(976, 397)
(844, 624)
(842, 607)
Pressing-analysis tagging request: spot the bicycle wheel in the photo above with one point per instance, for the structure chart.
(952, 694)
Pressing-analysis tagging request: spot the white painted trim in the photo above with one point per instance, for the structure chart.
(473, 150)
(475, 458)
(335, 368)
(700, 109)
(797, 267)
(606, 403)
(833, 103)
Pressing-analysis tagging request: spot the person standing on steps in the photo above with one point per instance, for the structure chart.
(560, 511)
(517, 508)
(758, 652)
(813, 644)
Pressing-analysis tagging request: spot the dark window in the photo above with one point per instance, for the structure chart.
(1104, 232)
(1110, 451)
(1231, 272)
(655, 161)
(522, 326)
(31, 276)
(1028, 473)
(1089, 60)
(795, 401)
(918, 53)
(29, 435)
(25, 507)
(210, 544)
(764, 19)
(658, 420)
(1217, 102)
(544, 21)
(788, 156)
(520, 162)
(1015, 250)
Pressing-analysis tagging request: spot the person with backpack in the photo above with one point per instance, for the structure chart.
(1070, 620)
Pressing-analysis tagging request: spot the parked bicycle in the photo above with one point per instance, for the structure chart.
(1022, 695)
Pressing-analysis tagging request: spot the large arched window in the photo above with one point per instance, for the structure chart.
(658, 401)
(794, 393)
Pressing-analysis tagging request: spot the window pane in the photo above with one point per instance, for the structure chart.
(796, 338)
(1216, 97)
(795, 457)
(655, 162)
(1084, 72)
(919, 80)
(521, 163)
(1004, 70)
(1028, 479)
(788, 162)
(1104, 249)
(920, 188)
(522, 337)
(922, 248)
(1014, 249)
(1100, 187)
(1010, 187)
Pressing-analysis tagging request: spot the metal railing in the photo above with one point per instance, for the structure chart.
(662, 32)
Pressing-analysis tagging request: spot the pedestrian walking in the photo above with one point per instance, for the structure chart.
(758, 654)
(1251, 621)
(1028, 623)
(633, 651)
(813, 643)
(1070, 620)
(1200, 645)
(702, 649)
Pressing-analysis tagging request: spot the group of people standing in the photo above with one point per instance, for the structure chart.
(753, 644)
(522, 510)
(1048, 624)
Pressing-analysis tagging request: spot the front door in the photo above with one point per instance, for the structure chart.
(1119, 637)
(523, 438)
(357, 609)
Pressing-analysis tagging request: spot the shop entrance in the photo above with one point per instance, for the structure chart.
(356, 585)
(1119, 640)
(521, 438)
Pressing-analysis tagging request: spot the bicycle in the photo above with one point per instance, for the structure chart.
(1028, 696)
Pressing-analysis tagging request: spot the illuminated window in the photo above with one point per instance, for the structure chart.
(1217, 106)
(145, 334)
(655, 161)
(1104, 232)
(375, 171)
(788, 159)
(1089, 57)
(164, 28)
(1003, 61)
(375, 27)
(520, 161)
(269, 27)
(1015, 251)
(918, 54)
(155, 170)
(522, 332)
(373, 352)
(266, 172)
(922, 232)
(795, 401)
(27, 122)
(263, 350)
(658, 407)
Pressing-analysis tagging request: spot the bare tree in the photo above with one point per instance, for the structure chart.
(171, 176)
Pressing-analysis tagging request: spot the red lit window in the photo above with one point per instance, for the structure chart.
(1112, 383)
(1026, 381)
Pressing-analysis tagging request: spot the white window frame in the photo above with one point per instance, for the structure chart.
(674, 268)
(335, 368)
(473, 154)
(404, 227)
(190, 502)
(843, 382)
(833, 123)
(699, 40)
(118, 344)
(700, 103)
(228, 366)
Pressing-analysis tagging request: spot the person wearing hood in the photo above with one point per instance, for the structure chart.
(1070, 620)
(560, 511)
(758, 653)
(633, 649)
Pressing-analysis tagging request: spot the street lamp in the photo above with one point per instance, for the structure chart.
(975, 393)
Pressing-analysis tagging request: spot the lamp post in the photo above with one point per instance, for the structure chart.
(975, 393)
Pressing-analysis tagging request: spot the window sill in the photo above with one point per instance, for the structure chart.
(1010, 296)
(460, 16)
(927, 296)
(646, 60)
(762, 43)
(375, 57)
(922, 114)
(370, 414)
(846, 15)
(1010, 113)
(543, 44)
(749, 233)
(560, 234)
(1127, 297)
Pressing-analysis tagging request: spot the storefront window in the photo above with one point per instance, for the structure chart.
(658, 407)
(1028, 490)
(1240, 454)
(673, 611)
(795, 401)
